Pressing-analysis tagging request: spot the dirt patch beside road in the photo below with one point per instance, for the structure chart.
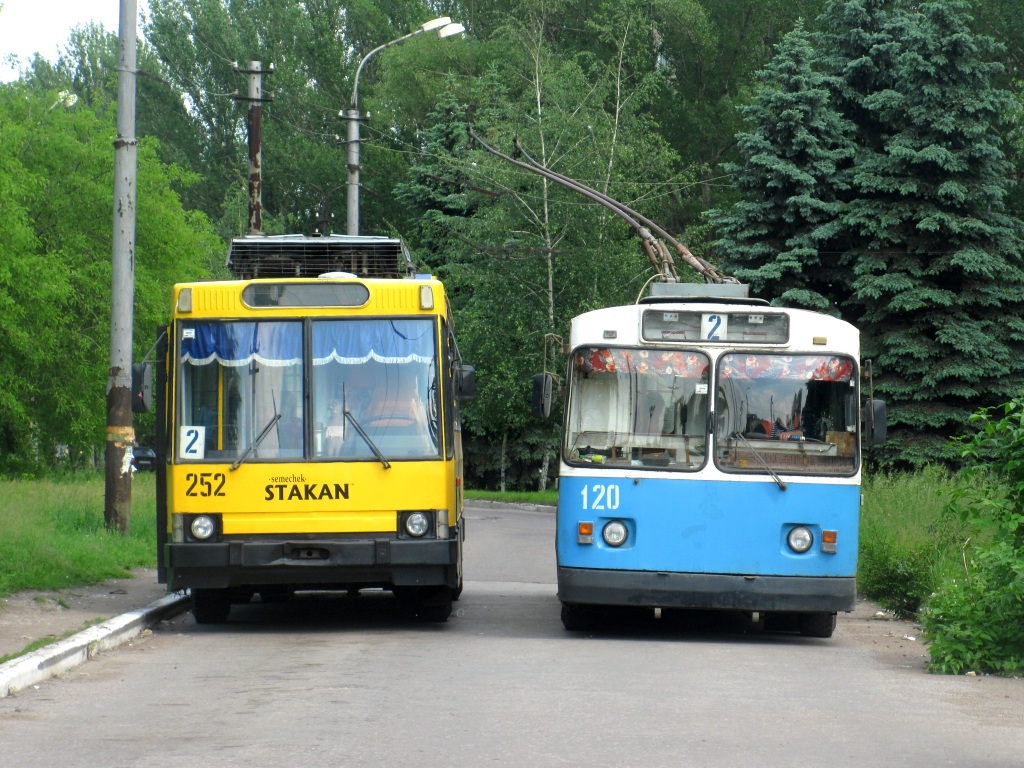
(895, 641)
(30, 616)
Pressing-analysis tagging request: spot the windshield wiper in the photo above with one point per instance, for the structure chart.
(362, 432)
(775, 477)
(259, 439)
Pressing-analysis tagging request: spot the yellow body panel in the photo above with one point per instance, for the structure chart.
(313, 497)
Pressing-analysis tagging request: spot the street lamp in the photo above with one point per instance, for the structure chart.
(444, 27)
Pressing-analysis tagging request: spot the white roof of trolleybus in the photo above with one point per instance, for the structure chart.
(809, 331)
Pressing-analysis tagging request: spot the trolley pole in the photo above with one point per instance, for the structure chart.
(120, 435)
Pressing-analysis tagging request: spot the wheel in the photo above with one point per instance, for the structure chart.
(210, 606)
(457, 592)
(817, 624)
(435, 605)
(576, 618)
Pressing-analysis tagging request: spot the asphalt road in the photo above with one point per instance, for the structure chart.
(329, 680)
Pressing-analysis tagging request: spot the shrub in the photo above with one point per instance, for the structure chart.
(976, 621)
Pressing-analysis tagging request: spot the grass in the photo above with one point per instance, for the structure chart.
(908, 544)
(52, 534)
(549, 497)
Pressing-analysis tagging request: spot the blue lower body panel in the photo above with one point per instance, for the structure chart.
(708, 543)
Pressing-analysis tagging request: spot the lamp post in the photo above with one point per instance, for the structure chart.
(444, 28)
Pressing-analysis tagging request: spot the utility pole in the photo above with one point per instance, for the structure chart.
(120, 438)
(254, 129)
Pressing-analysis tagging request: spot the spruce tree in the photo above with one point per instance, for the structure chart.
(938, 289)
(780, 236)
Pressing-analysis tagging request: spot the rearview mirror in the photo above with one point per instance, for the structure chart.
(142, 387)
(465, 383)
(543, 387)
(874, 425)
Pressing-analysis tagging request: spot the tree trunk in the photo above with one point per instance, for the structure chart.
(504, 446)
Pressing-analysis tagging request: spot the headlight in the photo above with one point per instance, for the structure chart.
(203, 527)
(800, 539)
(417, 524)
(615, 534)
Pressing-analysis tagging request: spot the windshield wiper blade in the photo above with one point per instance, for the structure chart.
(259, 439)
(775, 477)
(366, 437)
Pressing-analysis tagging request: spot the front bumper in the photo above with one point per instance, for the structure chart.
(313, 563)
(706, 590)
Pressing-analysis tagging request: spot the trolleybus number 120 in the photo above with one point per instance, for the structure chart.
(600, 497)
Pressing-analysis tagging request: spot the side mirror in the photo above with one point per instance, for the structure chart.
(873, 422)
(543, 386)
(465, 383)
(142, 387)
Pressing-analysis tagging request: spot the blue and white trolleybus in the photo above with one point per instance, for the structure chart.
(711, 459)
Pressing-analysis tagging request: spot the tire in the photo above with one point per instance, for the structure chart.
(210, 606)
(817, 624)
(576, 618)
(435, 605)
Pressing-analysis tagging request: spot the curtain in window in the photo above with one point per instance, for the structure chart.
(273, 344)
(352, 342)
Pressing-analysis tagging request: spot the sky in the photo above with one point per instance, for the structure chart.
(43, 26)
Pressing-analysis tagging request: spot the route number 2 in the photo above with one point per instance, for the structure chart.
(192, 443)
(714, 327)
(600, 496)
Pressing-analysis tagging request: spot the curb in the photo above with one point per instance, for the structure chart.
(58, 658)
(488, 504)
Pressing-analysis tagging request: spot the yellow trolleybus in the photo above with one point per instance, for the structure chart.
(308, 429)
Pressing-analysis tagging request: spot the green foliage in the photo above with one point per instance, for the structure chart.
(908, 235)
(55, 269)
(976, 621)
(545, 498)
(520, 255)
(709, 52)
(779, 237)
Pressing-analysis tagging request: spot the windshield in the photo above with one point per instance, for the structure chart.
(240, 390)
(382, 372)
(644, 408)
(792, 413)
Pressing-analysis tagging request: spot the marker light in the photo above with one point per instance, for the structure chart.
(585, 533)
(185, 300)
(828, 542)
(416, 524)
(615, 534)
(426, 297)
(800, 539)
(203, 527)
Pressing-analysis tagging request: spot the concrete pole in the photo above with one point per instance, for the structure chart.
(352, 183)
(120, 436)
(255, 130)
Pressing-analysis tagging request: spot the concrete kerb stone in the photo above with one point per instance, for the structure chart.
(63, 656)
(488, 504)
